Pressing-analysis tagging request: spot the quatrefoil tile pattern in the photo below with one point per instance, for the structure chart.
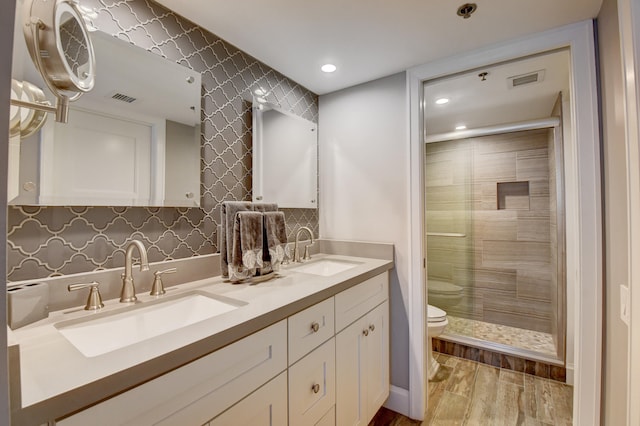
(51, 241)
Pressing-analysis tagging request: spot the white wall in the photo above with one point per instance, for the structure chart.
(364, 185)
(615, 372)
(629, 30)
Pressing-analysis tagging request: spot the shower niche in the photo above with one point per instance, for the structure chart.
(513, 195)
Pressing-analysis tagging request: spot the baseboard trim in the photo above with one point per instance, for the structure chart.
(398, 400)
(570, 374)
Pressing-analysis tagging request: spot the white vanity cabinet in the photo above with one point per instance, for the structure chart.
(326, 365)
(362, 351)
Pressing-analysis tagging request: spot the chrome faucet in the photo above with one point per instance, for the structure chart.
(296, 250)
(128, 293)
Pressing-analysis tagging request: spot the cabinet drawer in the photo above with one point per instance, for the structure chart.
(328, 419)
(310, 328)
(265, 407)
(200, 390)
(312, 385)
(353, 303)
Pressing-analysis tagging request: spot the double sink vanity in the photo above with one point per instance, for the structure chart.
(310, 346)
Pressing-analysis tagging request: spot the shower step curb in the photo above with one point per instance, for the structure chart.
(496, 359)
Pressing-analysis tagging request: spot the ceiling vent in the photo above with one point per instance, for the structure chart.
(123, 98)
(525, 79)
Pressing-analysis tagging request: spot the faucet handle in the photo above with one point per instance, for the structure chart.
(307, 256)
(158, 288)
(94, 301)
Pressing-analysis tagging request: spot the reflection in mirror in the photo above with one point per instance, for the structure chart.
(284, 158)
(134, 140)
(58, 42)
(76, 51)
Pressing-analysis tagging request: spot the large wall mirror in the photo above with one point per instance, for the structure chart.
(285, 158)
(134, 140)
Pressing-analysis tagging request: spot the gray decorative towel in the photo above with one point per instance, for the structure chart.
(276, 238)
(227, 217)
(246, 254)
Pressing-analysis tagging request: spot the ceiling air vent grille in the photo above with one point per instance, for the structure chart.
(524, 79)
(123, 98)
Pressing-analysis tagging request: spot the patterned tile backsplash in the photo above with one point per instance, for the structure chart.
(51, 241)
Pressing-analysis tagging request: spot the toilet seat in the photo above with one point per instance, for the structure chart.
(435, 314)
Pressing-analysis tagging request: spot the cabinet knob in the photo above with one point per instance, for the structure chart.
(365, 332)
(372, 327)
(315, 327)
(315, 388)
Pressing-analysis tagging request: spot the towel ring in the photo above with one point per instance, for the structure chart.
(59, 44)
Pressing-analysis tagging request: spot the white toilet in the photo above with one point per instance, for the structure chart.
(444, 294)
(436, 323)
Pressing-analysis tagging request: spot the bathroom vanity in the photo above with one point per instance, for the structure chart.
(309, 347)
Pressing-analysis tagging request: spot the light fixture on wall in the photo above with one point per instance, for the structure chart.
(461, 127)
(442, 101)
(328, 68)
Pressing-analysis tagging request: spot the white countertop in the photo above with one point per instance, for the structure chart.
(52, 369)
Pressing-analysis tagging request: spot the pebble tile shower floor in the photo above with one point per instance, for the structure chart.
(511, 336)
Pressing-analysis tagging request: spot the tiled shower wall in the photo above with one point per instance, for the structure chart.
(50, 241)
(494, 190)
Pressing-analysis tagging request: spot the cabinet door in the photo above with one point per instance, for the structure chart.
(265, 407)
(362, 367)
(377, 359)
(350, 375)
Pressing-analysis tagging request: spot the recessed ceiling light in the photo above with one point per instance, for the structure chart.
(328, 68)
(461, 127)
(442, 101)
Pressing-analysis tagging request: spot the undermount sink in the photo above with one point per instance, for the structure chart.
(326, 267)
(106, 332)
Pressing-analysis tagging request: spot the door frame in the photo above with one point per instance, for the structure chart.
(583, 207)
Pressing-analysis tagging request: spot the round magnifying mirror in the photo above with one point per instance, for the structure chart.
(59, 44)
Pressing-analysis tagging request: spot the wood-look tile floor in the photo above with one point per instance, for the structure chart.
(469, 393)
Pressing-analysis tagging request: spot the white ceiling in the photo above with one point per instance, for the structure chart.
(476, 103)
(368, 39)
